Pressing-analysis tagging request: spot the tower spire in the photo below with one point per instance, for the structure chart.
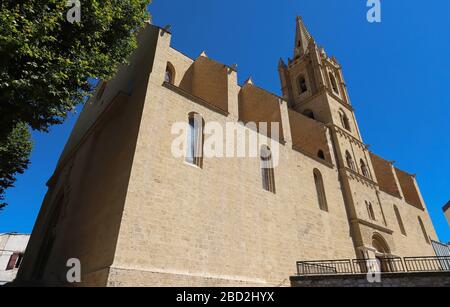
(302, 38)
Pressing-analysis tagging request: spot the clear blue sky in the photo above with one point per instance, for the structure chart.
(397, 72)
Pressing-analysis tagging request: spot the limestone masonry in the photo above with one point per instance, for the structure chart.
(136, 215)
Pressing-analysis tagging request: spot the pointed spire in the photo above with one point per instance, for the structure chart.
(302, 38)
(249, 81)
(281, 63)
(203, 54)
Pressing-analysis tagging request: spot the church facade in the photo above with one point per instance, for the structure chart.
(136, 215)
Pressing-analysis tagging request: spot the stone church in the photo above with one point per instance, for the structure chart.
(136, 215)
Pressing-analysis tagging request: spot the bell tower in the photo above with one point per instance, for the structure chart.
(313, 84)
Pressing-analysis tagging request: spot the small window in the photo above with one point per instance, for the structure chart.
(349, 159)
(344, 120)
(424, 231)
(194, 153)
(321, 155)
(14, 261)
(170, 74)
(302, 84)
(320, 190)
(268, 178)
(399, 220)
(309, 113)
(364, 169)
(370, 211)
(19, 261)
(334, 83)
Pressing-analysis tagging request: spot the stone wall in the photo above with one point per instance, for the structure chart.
(90, 183)
(259, 106)
(309, 135)
(387, 280)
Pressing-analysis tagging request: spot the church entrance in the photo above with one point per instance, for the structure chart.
(382, 253)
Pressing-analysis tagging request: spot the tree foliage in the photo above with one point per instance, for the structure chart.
(46, 61)
(14, 153)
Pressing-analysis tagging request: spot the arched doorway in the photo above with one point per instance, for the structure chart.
(380, 245)
(382, 253)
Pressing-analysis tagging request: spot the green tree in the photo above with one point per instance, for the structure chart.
(46, 62)
(14, 153)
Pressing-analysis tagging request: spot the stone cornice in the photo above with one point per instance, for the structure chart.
(359, 177)
(348, 134)
(373, 225)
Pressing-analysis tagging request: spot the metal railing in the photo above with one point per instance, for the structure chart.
(385, 265)
(427, 264)
(332, 267)
(364, 266)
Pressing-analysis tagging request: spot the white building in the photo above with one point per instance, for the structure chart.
(12, 248)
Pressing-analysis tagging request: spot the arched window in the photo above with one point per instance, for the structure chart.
(169, 76)
(268, 178)
(364, 169)
(302, 87)
(334, 83)
(370, 211)
(424, 231)
(399, 220)
(320, 189)
(349, 159)
(344, 120)
(321, 155)
(309, 113)
(194, 153)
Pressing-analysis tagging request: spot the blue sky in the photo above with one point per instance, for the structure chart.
(397, 73)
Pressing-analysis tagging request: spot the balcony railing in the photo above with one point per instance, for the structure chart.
(364, 266)
(427, 264)
(331, 267)
(386, 265)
